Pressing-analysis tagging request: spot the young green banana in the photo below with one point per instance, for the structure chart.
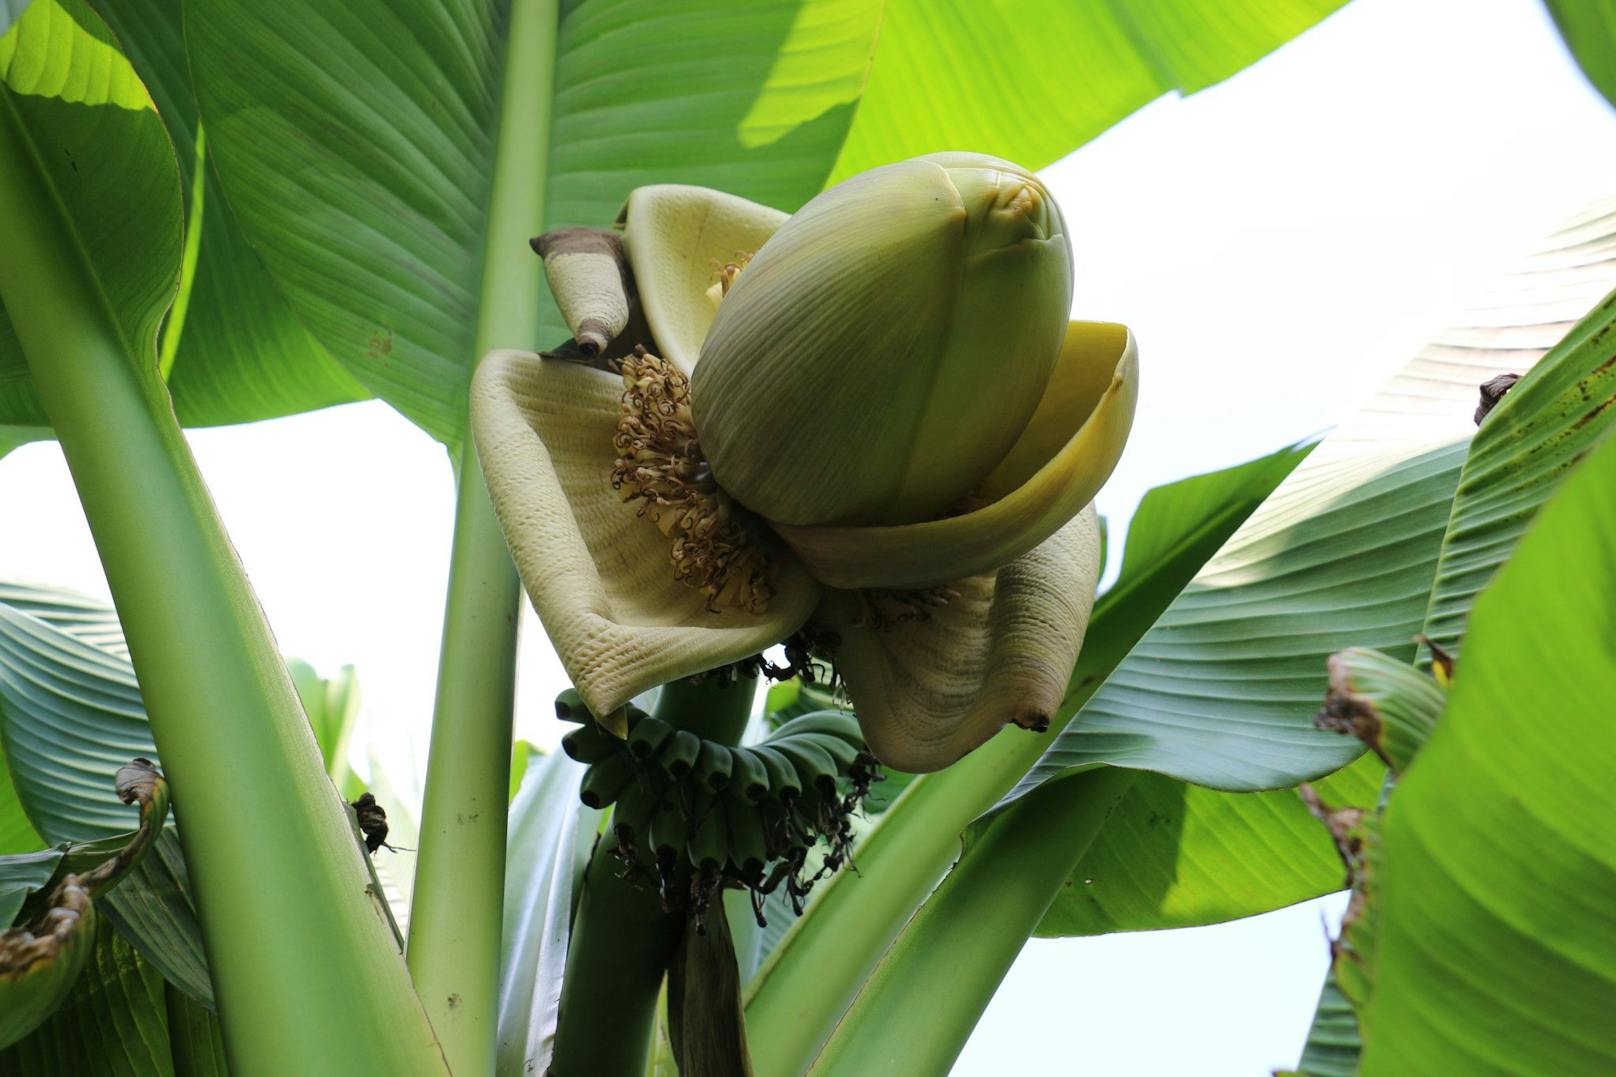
(605, 781)
(748, 777)
(648, 736)
(589, 743)
(713, 763)
(679, 753)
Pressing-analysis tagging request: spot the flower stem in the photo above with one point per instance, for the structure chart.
(304, 967)
(621, 937)
(454, 942)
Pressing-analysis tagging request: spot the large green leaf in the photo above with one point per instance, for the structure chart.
(70, 716)
(356, 145)
(114, 1022)
(1547, 422)
(1177, 855)
(1589, 28)
(548, 844)
(1034, 80)
(238, 354)
(1222, 691)
(1497, 859)
(69, 97)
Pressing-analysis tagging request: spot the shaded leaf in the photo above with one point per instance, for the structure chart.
(70, 716)
(356, 145)
(238, 353)
(195, 1039)
(1497, 855)
(113, 1023)
(547, 848)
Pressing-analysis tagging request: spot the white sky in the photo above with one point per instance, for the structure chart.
(1280, 244)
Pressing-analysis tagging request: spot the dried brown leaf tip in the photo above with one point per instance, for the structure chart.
(1344, 825)
(1492, 391)
(1344, 709)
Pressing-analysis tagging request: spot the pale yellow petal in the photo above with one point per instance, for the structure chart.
(600, 575)
(1002, 651)
(1068, 450)
(679, 240)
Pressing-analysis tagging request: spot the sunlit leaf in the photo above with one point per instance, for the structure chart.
(1223, 690)
(1496, 852)
(78, 107)
(1032, 81)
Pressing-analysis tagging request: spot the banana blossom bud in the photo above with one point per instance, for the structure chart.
(871, 419)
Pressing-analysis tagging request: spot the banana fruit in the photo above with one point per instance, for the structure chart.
(697, 815)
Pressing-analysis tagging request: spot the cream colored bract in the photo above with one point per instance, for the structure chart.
(1017, 562)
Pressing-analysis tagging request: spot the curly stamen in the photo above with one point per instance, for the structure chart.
(718, 547)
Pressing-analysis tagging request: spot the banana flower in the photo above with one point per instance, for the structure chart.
(870, 421)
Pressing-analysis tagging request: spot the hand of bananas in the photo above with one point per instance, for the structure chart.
(696, 815)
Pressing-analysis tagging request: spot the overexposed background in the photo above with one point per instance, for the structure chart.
(1280, 244)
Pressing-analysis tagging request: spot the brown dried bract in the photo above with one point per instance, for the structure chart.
(1345, 711)
(1492, 391)
(718, 547)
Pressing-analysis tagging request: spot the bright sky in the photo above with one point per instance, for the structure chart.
(1280, 244)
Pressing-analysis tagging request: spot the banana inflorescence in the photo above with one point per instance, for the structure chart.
(694, 816)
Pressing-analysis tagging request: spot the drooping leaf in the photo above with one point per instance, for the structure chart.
(82, 617)
(43, 954)
(1589, 29)
(238, 354)
(1033, 81)
(70, 716)
(73, 102)
(356, 145)
(1222, 691)
(113, 1022)
(1496, 854)
(547, 847)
